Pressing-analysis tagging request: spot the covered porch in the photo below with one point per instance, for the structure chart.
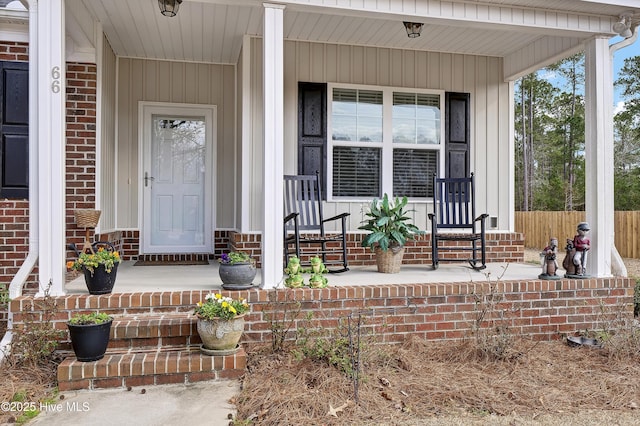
(141, 279)
(242, 63)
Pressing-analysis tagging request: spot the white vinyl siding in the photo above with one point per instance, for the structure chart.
(411, 71)
(383, 140)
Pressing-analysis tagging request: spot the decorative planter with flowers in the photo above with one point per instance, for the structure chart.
(89, 335)
(237, 270)
(99, 267)
(220, 323)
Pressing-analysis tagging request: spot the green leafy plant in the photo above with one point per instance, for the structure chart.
(216, 305)
(91, 318)
(90, 261)
(388, 224)
(234, 257)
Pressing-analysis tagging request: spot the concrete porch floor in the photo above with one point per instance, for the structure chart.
(205, 277)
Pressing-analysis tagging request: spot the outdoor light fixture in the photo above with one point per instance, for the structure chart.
(413, 29)
(623, 26)
(169, 7)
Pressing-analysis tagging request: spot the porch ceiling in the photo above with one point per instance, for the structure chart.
(211, 30)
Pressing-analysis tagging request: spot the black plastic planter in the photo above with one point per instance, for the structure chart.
(90, 341)
(101, 281)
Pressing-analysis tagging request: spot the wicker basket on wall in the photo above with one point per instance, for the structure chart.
(87, 218)
(389, 261)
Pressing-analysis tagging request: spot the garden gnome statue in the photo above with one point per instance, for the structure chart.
(549, 262)
(576, 261)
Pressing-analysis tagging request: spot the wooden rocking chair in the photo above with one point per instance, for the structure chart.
(454, 219)
(304, 223)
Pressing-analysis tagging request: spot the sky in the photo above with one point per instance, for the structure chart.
(618, 62)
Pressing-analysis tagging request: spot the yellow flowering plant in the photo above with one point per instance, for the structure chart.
(216, 305)
(90, 261)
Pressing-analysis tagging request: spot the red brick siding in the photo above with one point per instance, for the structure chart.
(543, 310)
(501, 247)
(14, 51)
(80, 146)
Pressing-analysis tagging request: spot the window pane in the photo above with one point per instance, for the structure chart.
(428, 134)
(416, 118)
(344, 128)
(356, 115)
(413, 172)
(356, 172)
(344, 101)
(404, 130)
(370, 129)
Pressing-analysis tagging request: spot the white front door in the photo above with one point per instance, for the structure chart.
(177, 178)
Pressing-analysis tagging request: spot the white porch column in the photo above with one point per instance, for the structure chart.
(51, 143)
(273, 163)
(599, 155)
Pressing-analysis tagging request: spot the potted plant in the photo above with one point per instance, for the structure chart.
(389, 228)
(220, 323)
(237, 270)
(89, 335)
(99, 267)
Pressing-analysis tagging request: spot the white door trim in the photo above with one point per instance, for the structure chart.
(145, 112)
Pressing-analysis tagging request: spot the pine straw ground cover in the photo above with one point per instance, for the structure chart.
(423, 383)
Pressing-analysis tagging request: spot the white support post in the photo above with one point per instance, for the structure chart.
(599, 155)
(51, 144)
(273, 166)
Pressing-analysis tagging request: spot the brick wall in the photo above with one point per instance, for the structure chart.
(501, 247)
(14, 51)
(80, 147)
(14, 213)
(542, 310)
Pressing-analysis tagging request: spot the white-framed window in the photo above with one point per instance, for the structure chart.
(383, 140)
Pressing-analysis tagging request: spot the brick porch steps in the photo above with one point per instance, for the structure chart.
(150, 349)
(144, 331)
(121, 370)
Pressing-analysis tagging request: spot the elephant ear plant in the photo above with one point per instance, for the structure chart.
(388, 224)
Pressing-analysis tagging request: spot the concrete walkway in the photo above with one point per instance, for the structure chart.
(202, 403)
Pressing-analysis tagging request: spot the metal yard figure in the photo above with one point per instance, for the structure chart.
(575, 261)
(549, 262)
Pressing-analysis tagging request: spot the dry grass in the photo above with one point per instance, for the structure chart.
(424, 382)
(450, 383)
(26, 384)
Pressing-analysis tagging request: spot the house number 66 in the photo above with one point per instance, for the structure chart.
(55, 84)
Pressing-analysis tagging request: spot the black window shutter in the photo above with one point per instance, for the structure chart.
(457, 134)
(312, 131)
(14, 129)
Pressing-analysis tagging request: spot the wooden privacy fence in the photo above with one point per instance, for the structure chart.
(538, 227)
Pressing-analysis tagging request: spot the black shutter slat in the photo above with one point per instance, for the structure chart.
(312, 131)
(457, 135)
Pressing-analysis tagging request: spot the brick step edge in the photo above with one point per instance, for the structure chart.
(123, 370)
(153, 325)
